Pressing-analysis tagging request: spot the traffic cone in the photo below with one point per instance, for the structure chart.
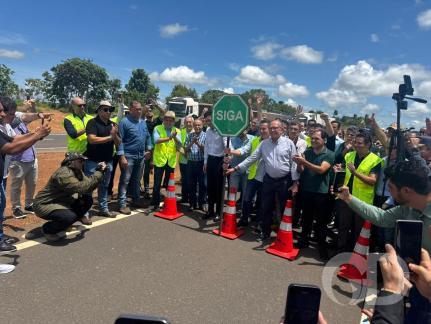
(228, 227)
(283, 245)
(356, 269)
(170, 204)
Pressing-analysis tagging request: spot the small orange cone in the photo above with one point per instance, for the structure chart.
(228, 227)
(356, 269)
(283, 245)
(170, 204)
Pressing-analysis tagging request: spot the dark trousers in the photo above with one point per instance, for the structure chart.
(349, 227)
(253, 188)
(214, 183)
(184, 183)
(115, 160)
(61, 219)
(315, 207)
(270, 189)
(195, 174)
(158, 175)
(147, 175)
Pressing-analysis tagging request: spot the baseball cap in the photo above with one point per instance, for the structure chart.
(72, 156)
(170, 114)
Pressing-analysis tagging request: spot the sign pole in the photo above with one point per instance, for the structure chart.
(223, 189)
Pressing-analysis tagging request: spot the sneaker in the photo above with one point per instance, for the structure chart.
(10, 239)
(6, 248)
(147, 195)
(54, 237)
(125, 210)
(264, 238)
(18, 213)
(107, 213)
(86, 220)
(29, 209)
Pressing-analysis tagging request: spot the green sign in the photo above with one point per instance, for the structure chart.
(230, 115)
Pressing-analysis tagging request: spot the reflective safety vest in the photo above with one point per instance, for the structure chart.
(165, 152)
(361, 190)
(78, 144)
(253, 168)
(308, 140)
(183, 158)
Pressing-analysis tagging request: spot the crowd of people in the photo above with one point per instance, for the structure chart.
(270, 162)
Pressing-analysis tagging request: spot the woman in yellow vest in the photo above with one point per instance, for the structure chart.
(75, 124)
(167, 139)
(362, 169)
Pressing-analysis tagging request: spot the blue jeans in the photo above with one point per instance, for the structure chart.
(102, 189)
(130, 174)
(253, 187)
(2, 204)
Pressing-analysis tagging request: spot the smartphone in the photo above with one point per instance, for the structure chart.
(339, 180)
(408, 240)
(140, 319)
(302, 305)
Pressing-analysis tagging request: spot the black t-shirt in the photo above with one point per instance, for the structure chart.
(99, 152)
(4, 139)
(358, 161)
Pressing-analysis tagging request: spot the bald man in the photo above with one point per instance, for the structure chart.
(75, 124)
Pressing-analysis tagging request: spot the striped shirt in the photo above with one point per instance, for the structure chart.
(195, 153)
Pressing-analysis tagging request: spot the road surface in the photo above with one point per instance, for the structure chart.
(52, 143)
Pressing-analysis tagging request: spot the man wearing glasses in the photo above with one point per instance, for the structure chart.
(102, 135)
(75, 124)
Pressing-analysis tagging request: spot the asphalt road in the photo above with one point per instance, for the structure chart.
(52, 143)
(146, 265)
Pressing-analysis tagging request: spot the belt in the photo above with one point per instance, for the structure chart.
(281, 178)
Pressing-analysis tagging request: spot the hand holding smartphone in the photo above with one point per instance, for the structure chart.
(302, 305)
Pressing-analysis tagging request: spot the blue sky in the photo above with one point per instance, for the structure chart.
(344, 55)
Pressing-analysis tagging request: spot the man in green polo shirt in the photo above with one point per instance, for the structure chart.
(314, 187)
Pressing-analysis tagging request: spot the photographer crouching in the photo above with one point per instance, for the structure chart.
(410, 186)
(67, 196)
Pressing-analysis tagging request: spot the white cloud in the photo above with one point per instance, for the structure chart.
(416, 110)
(302, 54)
(333, 57)
(355, 83)
(11, 54)
(172, 30)
(369, 108)
(424, 19)
(265, 51)
(234, 66)
(228, 90)
(11, 38)
(289, 89)
(424, 89)
(254, 75)
(291, 102)
(374, 38)
(181, 74)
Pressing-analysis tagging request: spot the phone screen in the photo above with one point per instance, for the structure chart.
(339, 179)
(140, 319)
(302, 305)
(408, 240)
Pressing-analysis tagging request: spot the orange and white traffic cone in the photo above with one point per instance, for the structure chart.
(357, 267)
(170, 203)
(228, 227)
(283, 245)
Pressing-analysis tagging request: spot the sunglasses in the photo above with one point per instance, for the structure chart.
(81, 106)
(108, 109)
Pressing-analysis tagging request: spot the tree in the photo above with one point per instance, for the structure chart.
(140, 87)
(180, 90)
(114, 87)
(77, 77)
(7, 86)
(35, 87)
(251, 96)
(335, 112)
(211, 96)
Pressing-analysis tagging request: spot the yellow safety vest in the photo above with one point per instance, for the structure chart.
(361, 190)
(308, 140)
(253, 168)
(165, 152)
(183, 157)
(78, 144)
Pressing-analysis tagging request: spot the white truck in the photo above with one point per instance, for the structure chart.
(183, 106)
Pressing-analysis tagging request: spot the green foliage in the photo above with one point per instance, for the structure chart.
(281, 107)
(250, 98)
(140, 87)
(356, 120)
(211, 96)
(35, 87)
(77, 77)
(7, 86)
(180, 90)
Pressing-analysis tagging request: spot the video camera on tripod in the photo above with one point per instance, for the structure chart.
(404, 90)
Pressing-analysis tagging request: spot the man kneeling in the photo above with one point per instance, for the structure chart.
(67, 196)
